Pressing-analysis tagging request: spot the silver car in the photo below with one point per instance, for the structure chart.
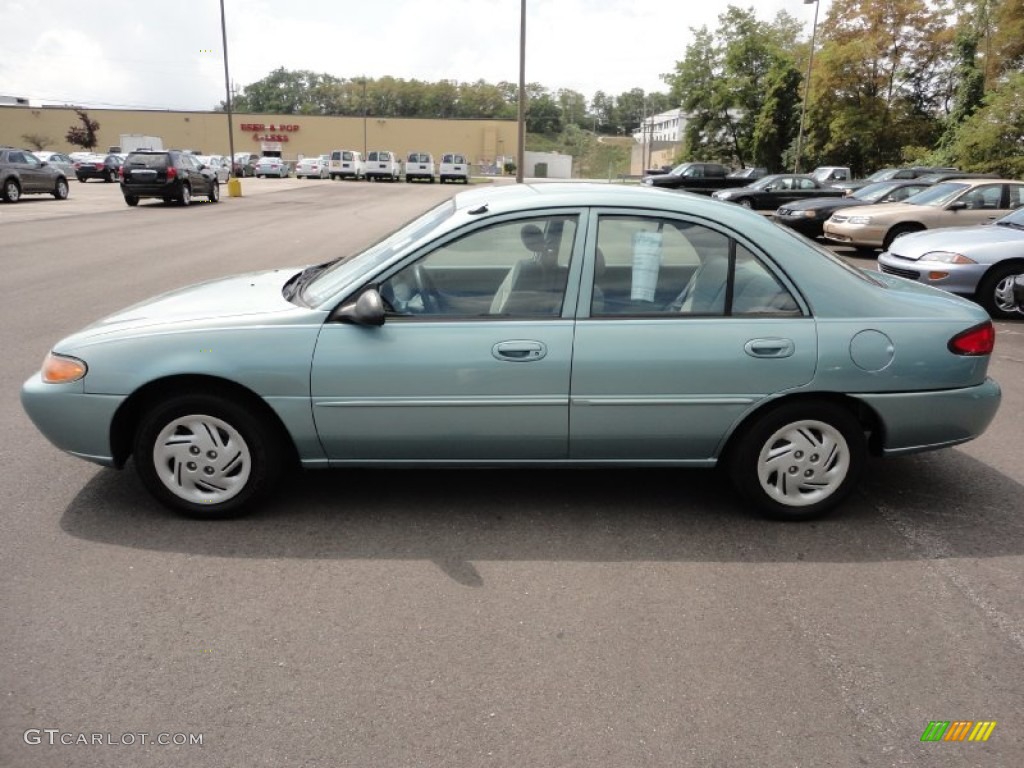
(272, 166)
(587, 325)
(978, 262)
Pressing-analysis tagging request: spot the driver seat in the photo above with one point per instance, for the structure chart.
(534, 286)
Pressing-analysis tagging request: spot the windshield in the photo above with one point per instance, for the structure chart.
(882, 175)
(765, 182)
(355, 266)
(872, 193)
(1014, 219)
(938, 195)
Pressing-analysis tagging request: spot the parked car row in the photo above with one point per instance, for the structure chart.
(385, 165)
(960, 232)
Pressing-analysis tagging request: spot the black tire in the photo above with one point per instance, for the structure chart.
(820, 445)
(131, 200)
(60, 190)
(995, 292)
(111, 175)
(899, 231)
(221, 459)
(82, 179)
(214, 196)
(186, 195)
(746, 202)
(11, 191)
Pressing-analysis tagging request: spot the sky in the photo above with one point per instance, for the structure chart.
(167, 54)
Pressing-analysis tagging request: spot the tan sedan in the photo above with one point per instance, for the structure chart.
(955, 203)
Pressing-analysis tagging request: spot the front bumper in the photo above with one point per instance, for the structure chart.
(855, 234)
(73, 421)
(961, 279)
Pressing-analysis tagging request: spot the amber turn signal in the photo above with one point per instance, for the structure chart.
(58, 369)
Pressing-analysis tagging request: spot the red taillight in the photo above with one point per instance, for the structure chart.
(172, 172)
(120, 171)
(979, 340)
(99, 166)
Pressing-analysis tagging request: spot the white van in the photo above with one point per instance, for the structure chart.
(383, 164)
(419, 165)
(345, 164)
(454, 167)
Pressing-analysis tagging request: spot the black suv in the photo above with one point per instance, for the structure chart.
(22, 173)
(170, 175)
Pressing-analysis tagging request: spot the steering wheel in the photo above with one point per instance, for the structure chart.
(427, 290)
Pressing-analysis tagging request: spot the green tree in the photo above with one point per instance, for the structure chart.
(992, 139)
(721, 84)
(779, 118)
(543, 115)
(873, 87)
(83, 135)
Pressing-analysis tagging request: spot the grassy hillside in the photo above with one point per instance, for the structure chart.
(594, 157)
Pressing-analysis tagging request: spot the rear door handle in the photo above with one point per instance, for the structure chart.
(769, 347)
(519, 351)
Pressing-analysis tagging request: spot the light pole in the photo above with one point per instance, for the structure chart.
(807, 88)
(521, 148)
(363, 79)
(234, 186)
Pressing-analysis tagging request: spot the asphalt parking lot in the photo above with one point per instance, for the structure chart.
(474, 617)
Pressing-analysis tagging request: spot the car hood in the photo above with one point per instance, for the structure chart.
(729, 191)
(815, 203)
(968, 240)
(233, 299)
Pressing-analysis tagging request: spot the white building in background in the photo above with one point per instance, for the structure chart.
(665, 126)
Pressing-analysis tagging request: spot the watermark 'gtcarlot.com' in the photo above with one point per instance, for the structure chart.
(57, 737)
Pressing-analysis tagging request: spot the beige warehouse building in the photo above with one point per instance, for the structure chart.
(483, 141)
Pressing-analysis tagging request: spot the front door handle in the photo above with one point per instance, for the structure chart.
(519, 351)
(769, 347)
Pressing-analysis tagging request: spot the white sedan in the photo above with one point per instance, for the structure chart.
(272, 166)
(311, 168)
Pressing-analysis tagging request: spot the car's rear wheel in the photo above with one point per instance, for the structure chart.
(214, 196)
(205, 456)
(11, 191)
(899, 231)
(110, 176)
(800, 460)
(186, 195)
(995, 291)
(60, 189)
(131, 200)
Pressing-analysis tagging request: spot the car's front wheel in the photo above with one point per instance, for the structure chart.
(746, 202)
(205, 456)
(214, 196)
(111, 175)
(995, 292)
(800, 460)
(11, 191)
(60, 189)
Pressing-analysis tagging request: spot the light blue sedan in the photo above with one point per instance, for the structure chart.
(555, 324)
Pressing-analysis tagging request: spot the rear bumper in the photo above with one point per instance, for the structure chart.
(924, 421)
(151, 190)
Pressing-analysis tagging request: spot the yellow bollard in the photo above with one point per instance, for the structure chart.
(234, 187)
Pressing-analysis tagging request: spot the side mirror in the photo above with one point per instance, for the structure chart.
(367, 310)
(959, 205)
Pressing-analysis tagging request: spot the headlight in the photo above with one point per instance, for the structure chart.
(947, 257)
(812, 214)
(61, 369)
(859, 220)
